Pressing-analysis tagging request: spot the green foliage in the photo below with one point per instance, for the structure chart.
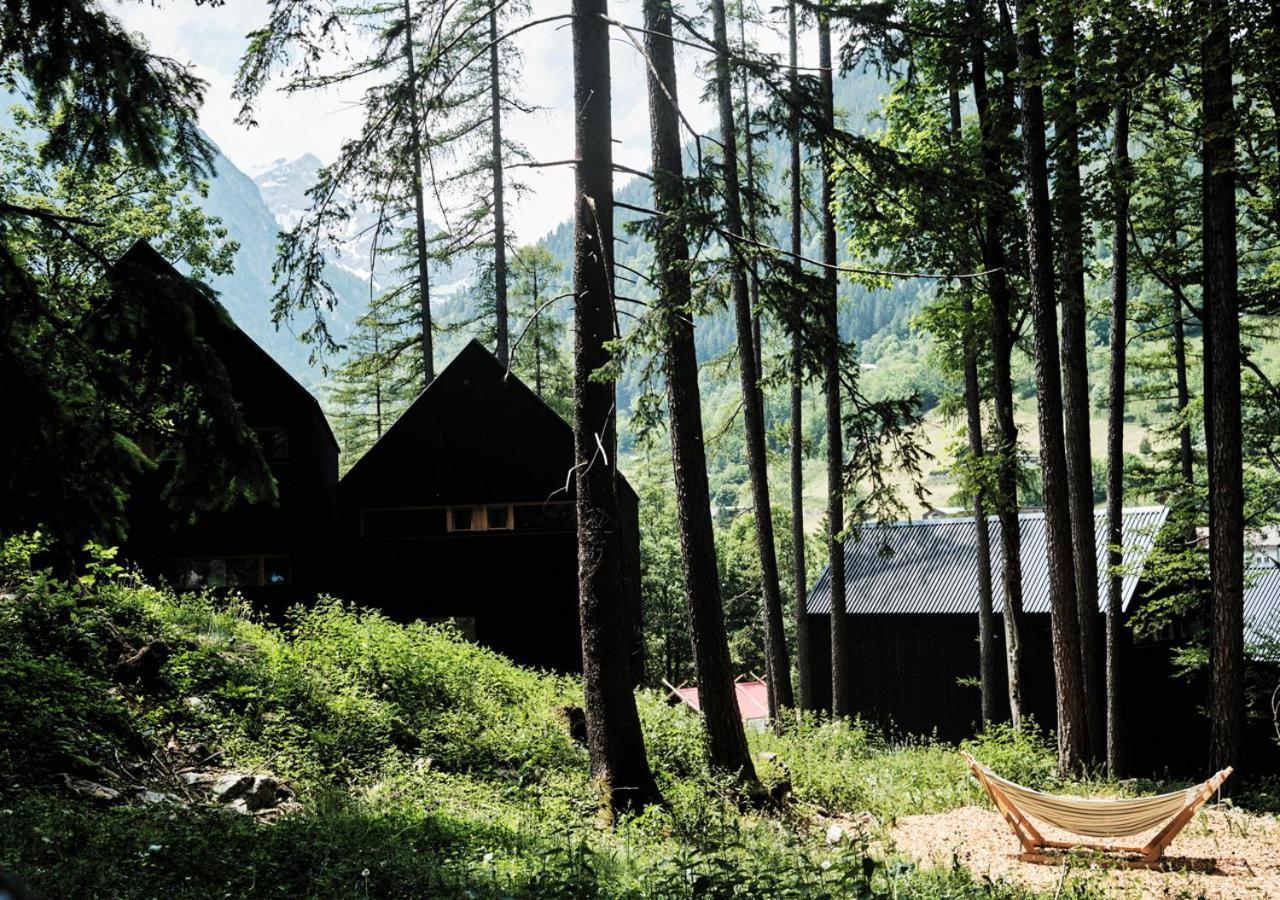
(89, 363)
(539, 357)
(1024, 756)
(425, 766)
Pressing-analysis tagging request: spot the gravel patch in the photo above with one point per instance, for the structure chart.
(1222, 853)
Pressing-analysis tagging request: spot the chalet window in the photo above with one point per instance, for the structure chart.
(227, 572)
(498, 518)
(274, 441)
(460, 518)
(489, 517)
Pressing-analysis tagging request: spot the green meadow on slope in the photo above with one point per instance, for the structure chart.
(414, 763)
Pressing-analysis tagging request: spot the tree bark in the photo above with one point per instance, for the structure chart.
(749, 160)
(752, 405)
(777, 661)
(1186, 456)
(804, 674)
(614, 738)
(994, 121)
(499, 204)
(1065, 623)
(1068, 198)
(1115, 432)
(726, 739)
(988, 667)
(840, 702)
(420, 214)
(1222, 392)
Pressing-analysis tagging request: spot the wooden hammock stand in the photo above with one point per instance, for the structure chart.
(1038, 849)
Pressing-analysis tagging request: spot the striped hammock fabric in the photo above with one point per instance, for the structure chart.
(1096, 816)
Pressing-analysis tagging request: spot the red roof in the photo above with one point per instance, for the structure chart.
(752, 695)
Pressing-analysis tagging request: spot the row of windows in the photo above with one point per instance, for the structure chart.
(226, 572)
(428, 521)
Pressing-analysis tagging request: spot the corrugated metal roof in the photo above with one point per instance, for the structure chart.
(930, 566)
(1262, 612)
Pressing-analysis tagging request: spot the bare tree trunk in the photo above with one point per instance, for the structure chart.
(1068, 194)
(1115, 431)
(840, 702)
(499, 205)
(538, 346)
(420, 214)
(988, 667)
(995, 261)
(1065, 622)
(1222, 392)
(1186, 456)
(749, 160)
(804, 672)
(726, 740)
(614, 738)
(752, 406)
(775, 637)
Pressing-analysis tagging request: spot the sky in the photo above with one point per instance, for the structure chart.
(213, 39)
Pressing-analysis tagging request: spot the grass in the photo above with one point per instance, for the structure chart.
(423, 766)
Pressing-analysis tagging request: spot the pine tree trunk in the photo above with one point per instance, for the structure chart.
(727, 741)
(1186, 455)
(777, 660)
(499, 204)
(1065, 623)
(420, 214)
(1068, 194)
(804, 673)
(614, 738)
(1115, 432)
(1222, 393)
(749, 160)
(988, 668)
(840, 702)
(994, 119)
(752, 406)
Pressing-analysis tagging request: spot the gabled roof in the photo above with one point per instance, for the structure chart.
(473, 376)
(210, 314)
(930, 566)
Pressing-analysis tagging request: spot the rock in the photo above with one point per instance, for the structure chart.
(196, 703)
(150, 798)
(263, 794)
(247, 793)
(90, 789)
(834, 834)
(231, 787)
(195, 776)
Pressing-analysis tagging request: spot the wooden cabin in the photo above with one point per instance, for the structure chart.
(275, 554)
(464, 510)
(911, 599)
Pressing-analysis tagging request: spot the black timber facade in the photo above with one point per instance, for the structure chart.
(464, 510)
(912, 627)
(274, 553)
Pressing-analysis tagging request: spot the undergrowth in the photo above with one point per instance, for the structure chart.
(423, 766)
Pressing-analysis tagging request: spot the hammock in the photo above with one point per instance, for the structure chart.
(1095, 817)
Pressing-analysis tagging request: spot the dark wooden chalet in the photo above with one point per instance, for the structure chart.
(274, 554)
(464, 510)
(912, 618)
